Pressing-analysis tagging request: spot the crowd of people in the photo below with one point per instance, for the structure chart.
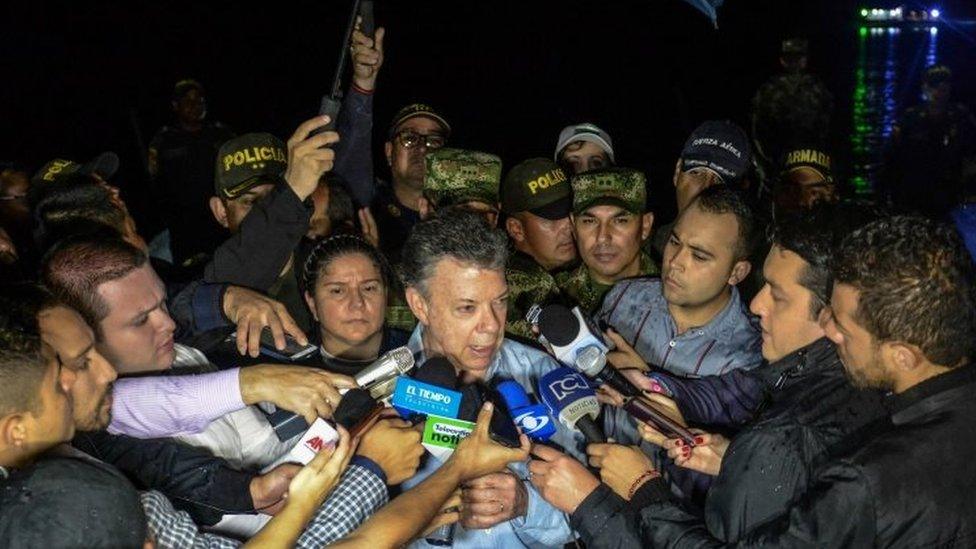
(818, 348)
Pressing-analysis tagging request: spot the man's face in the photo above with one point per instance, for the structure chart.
(464, 315)
(609, 239)
(52, 424)
(804, 187)
(405, 152)
(74, 342)
(699, 258)
(137, 334)
(583, 156)
(857, 348)
(231, 213)
(690, 183)
(191, 107)
(549, 241)
(784, 306)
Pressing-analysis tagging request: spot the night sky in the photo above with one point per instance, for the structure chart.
(508, 75)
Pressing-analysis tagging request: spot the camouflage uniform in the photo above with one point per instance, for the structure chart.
(579, 286)
(528, 284)
(617, 186)
(537, 186)
(456, 176)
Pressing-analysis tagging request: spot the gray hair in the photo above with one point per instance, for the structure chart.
(456, 234)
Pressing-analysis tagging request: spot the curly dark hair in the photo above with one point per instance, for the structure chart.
(915, 280)
(814, 235)
(452, 233)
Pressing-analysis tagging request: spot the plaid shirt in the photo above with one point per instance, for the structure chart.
(357, 496)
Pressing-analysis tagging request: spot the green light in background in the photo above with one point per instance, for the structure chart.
(864, 12)
(863, 31)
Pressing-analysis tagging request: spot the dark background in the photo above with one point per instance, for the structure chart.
(80, 79)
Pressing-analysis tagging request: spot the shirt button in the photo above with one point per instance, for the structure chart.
(671, 343)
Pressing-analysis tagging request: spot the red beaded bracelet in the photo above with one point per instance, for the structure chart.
(647, 475)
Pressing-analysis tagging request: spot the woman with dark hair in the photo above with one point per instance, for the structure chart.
(347, 282)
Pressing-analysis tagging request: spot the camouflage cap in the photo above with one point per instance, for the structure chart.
(247, 161)
(622, 187)
(539, 186)
(456, 176)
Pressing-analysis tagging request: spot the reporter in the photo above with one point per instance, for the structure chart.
(402, 520)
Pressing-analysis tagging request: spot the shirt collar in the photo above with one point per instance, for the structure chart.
(724, 325)
(820, 353)
(932, 394)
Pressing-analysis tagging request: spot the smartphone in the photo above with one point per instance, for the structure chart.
(293, 349)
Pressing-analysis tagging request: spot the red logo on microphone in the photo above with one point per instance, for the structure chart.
(315, 443)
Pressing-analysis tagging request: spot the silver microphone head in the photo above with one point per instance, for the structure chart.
(394, 363)
(590, 361)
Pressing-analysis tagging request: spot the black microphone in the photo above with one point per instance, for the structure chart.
(356, 411)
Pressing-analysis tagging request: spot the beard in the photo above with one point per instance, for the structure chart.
(100, 416)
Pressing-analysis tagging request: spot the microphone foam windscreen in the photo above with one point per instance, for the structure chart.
(471, 403)
(437, 371)
(354, 406)
(558, 324)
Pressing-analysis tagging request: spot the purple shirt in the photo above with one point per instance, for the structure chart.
(164, 406)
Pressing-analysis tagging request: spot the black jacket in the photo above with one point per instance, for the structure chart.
(809, 409)
(908, 483)
(193, 479)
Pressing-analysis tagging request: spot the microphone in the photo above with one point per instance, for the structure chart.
(356, 411)
(570, 398)
(533, 419)
(576, 343)
(377, 378)
(394, 363)
(567, 332)
(415, 399)
(592, 362)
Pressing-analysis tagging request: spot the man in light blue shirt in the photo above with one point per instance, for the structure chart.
(691, 321)
(453, 269)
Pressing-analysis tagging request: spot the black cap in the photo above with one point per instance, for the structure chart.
(539, 186)
(720, 146)
(247, 161)
(68, 502)
(104, 166)
(418, 109)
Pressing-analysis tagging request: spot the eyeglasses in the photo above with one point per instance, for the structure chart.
(409, 140)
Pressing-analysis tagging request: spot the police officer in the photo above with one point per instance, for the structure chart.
(181, 164)
(464, 179)
(453, 179)
(611, 223)
(416, 130)
(537, 200)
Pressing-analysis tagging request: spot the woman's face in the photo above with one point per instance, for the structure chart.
(349, 301)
